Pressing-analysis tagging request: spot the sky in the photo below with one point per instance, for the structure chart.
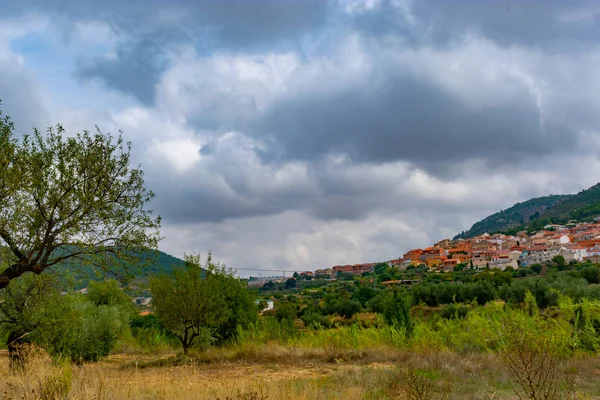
(302, 134)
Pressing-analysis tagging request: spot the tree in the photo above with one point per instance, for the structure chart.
(290, 283)
(396, 311)
(560, 262)
(20, 312)
(268, 286)
(364, 294)
(32, 309)
(239, 300)
(70, 198)
(286, 312)
(109, 293)
(194, 300)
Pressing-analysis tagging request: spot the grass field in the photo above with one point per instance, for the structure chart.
(280, 373)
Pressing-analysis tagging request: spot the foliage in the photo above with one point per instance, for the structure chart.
(67, 326)
(533, 357)
(451, 311)
(80, 330)
(109, 293)
(513, 217)
(285, 312)
(396, 311)
(23, 306)
(364, 294)
(290, 283)
(534, 214)
(150, 334)
(193, 299)
(70, 198)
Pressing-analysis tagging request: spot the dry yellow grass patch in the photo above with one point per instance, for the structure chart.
(474, 376)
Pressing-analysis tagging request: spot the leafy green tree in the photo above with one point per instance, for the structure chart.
(347, 308)
(381, 268)
(591, 274)
(79, 329)
(240, 302)
(109, 293)
(345, 276)
(192, 299)
(285, 312)
(560, 262)
(20, 309)
(32, 309)
(364, 294)
(537, 268)
(268, 286)
(290, 283)
(71, 198)
(396, 312)
(384, 277)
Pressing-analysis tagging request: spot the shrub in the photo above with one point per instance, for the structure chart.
(533, 352)
(397, 311)
(285, 312)
(451, 311)
(80, 330)
(57, 386)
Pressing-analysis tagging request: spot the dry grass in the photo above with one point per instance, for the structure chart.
(278, 374)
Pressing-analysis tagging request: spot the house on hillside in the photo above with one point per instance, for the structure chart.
(503, 263)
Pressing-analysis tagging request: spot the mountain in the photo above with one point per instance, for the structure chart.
(516, 216)
(534, 214)
(585, 205)
(150, 262)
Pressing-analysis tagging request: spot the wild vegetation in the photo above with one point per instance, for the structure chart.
(353, 338)
(534, 214)
(531, 333)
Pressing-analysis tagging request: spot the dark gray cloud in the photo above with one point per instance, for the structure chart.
(134, 70)
(151, 28)
(404, 118)
(353, 136)
(556, 24)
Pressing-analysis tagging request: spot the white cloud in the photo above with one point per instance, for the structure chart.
(222, 186)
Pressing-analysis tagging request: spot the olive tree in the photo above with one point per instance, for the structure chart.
(70, 198)
(20, 311)
(194, 299)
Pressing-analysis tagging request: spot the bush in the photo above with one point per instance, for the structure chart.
(396, 311)
(285, 312)
(534, 351)
(451, 311)
(57, 386)
(80, 330)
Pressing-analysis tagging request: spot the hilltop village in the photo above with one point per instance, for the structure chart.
(574, 242)
(579, 242)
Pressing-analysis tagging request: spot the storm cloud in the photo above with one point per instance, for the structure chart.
(300, 134)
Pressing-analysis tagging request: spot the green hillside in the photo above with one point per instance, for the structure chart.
(149, 262)
(516, 216)
(534, 214)
(585, 205)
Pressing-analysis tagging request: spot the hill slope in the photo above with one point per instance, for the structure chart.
(152, 262)
(535, 213)
(518, 215)
(582, 206)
